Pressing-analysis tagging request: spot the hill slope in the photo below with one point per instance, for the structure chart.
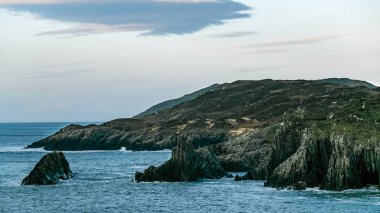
(174, 102)
(349, 82)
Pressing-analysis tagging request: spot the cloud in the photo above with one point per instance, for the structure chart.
(159, 17)
(87, 29)
(302, 41)
(268, 51)
(233, 34)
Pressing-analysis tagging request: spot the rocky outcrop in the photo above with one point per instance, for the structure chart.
(334, 162)
(337, 153)
(307, 164)
(332, 154)
(186, 164)
(113, 137)
(49, 170)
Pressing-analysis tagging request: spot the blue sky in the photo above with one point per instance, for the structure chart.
(84, 60)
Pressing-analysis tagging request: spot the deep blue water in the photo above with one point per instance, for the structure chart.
(102, 183)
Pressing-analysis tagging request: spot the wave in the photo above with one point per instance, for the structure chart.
(124, 149)
(20, 149)
(164, 150)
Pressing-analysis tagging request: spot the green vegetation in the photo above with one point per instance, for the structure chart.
(348, 82)
(172, 103)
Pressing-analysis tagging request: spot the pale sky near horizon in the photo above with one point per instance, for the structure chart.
(83, 60)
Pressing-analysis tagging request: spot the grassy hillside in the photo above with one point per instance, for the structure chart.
(174, 102)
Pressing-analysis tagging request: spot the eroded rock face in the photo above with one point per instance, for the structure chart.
(250, 151)
(333, 162)
(186, 164)
(332, 156)
(49, 170)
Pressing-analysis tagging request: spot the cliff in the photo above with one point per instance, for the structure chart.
(341, 152)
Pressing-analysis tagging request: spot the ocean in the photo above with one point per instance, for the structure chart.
(103, 183)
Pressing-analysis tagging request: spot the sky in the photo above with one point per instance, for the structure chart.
(98, 60)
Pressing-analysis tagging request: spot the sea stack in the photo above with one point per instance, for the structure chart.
(49, 170)
(186, 164)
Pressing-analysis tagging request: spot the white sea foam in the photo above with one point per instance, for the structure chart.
(124, 149)
(20, 149)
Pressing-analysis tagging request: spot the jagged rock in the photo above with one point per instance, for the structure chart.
(229, 176)
(335, 154)
(49, 170)
(335, 162)
(238, 178)
(186, 164)
(248, 151)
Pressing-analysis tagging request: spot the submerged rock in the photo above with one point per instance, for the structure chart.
(186, 164)
(238, 178)
(300, 186)
(49, 170)
(230, 176)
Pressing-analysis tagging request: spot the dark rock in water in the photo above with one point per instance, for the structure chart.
(186, 164)
(229, 176)
(300, 186)
(238, 178)
(49, 170)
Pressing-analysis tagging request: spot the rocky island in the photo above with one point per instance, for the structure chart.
(294, 134)
(49, 170)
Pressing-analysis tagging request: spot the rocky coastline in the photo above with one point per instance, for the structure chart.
(293, 134)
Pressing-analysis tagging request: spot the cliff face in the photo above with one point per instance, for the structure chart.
(249, 151)
(335, 162)
(49, 170)
(335, 154)
(186, 164)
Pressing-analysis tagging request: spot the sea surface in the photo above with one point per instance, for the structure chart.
(102, 183)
